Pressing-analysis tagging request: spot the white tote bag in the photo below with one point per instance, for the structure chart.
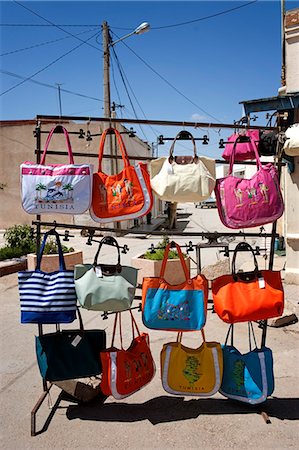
(291, 145)
(183, 178)
(56, 188)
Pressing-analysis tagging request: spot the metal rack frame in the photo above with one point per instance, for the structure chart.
(44, 119)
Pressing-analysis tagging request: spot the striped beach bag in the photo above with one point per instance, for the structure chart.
(47, 297)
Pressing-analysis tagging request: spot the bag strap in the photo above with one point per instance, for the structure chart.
(134, 327)
(108, 240)
(251, 335)
(171, 157)
(230, 333)
(120, 144)
(68, 144)
(60, 252)
(181, 256)
(232, 156)
(243, 246)
(180, 336)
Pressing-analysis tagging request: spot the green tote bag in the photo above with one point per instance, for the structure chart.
(105, 287)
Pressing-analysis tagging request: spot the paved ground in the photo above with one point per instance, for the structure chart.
(151, 418)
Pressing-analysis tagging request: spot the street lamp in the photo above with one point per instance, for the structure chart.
(142, 28)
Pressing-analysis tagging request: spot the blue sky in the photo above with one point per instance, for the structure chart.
(215, 62)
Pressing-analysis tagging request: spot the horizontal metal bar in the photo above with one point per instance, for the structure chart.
(95, 155)
(175, 123)
(140, 158)
(153, 233)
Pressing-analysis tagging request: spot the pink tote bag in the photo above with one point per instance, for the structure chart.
(246, 203)
(245, 145)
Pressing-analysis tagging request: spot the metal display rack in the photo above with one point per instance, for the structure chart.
(211, 236)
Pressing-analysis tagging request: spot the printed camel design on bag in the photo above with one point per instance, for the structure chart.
(190, 371)
(138, 366)
(252, 195)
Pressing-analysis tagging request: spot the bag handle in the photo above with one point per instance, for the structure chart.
(181, 256)
(250, 335)
(120, 144)
(109, 240)
(171, 157)
(180, 336)
(232, 156)
(243, 246)
(60, 252)
(118, 318)
(68, 144)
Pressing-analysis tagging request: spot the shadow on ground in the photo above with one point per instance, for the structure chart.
(170, 409)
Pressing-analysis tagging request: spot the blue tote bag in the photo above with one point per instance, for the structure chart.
(47, 297)
(169, 307)
(247, 377)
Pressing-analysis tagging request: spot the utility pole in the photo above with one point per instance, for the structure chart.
(106, 84)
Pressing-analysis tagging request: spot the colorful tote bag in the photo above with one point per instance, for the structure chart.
(180, 307)
(125, 371)
(191, 371)
(105, 287)
(56, 188)
(124, 196)
(247, 377)
(245, 203)
(47, 297)
(246, 296)
(183, 178)
(244, 146)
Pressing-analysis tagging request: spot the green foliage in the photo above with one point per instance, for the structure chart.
(20, 236)
(9, 253)
(20, 241)
(160, 250)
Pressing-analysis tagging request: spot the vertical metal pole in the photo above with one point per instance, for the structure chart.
(283, 65)
(106, 84)
(59, 99)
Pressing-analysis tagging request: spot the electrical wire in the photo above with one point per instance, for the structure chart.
(127, 81)
(115, 86)
(44, 25)
(211, 16)
(46, 67)
(53, 24)
(45, 43)
(40, 83)
(169, 84)
(130, 100)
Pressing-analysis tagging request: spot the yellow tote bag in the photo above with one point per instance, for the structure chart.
(191, 371)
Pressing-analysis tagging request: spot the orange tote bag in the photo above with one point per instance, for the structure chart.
(126, 195)
(248, 296)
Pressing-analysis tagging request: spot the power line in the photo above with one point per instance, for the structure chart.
(127, 91)
(47, 66)
(121, 68)
(53, 24)
(44, 25)
(211, 16)
(168, 82)
(44, 43)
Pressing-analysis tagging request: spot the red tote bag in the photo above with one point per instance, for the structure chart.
(126, 195)
(248, 296)
(127, 371)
